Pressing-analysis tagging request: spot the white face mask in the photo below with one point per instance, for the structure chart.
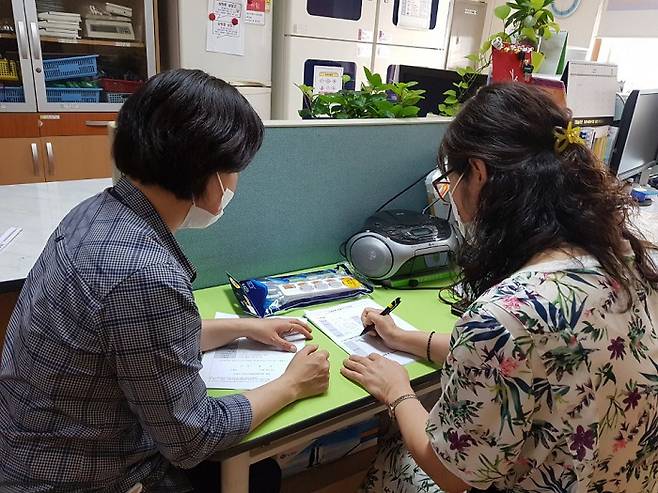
(466, 229)
(198, 218)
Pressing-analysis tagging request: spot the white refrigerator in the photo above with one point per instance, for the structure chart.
(411, 32)
(184, 27)
(348, 35)
(316, 36)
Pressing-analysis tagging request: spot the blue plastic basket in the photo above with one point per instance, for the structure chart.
(70, 68)
(12, 95)
(72, 95)
(117, 97)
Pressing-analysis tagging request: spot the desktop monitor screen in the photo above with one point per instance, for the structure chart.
(637, 141)
(434, 81)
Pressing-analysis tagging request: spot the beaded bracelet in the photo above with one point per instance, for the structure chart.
(429, 342)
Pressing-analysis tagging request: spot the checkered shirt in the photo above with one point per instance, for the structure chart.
(99, 378)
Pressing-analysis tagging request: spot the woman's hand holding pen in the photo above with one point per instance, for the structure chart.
(383, 326)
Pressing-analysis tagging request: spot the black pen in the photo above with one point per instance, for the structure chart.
(391, 306)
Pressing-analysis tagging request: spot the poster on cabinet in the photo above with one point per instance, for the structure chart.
(225, 32)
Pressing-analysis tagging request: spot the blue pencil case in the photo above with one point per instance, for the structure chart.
(266, 296)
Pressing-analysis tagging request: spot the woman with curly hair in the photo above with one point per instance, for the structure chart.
(550, 378)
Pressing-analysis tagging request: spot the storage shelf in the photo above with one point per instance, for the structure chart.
(7, 36)
(92, 42)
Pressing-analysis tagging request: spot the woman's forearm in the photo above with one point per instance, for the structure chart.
(415, 342)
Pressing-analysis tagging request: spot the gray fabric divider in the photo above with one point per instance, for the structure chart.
(308, 189)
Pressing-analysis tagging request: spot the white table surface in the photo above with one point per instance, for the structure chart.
(37, 208)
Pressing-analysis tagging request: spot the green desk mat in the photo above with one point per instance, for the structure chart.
(420, 308)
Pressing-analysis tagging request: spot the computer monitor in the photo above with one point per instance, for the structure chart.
(636, 146)
(434, 81)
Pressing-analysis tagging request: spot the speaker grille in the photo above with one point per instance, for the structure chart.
(371, 257)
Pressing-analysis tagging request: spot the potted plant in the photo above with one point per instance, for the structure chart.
(374, 100)
(526, 22)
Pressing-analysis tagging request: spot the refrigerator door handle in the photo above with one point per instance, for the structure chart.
(22, 41)
(36, 42)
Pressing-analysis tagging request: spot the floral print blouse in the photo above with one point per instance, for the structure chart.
(551, 385)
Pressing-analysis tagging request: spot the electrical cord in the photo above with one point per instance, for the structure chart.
(406, 189)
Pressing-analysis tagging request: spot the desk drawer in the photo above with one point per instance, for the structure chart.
(63, 124)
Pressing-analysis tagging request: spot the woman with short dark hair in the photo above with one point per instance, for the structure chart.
(99, 383)
(550, 379)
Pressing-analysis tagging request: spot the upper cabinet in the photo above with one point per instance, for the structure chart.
(73, 55)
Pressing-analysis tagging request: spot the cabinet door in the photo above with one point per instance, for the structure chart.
(16, 82)
(77, 158)
(89, 56)
(22, 161)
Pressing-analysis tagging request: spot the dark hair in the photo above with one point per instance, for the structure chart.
(183, 126)
(536, 198)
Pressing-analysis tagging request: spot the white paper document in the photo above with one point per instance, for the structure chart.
(414, 14)
(225, 32)
(327, 80)
(245, 364)
(342, 324)
(8, 236)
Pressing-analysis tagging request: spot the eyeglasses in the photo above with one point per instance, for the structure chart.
(442, 186)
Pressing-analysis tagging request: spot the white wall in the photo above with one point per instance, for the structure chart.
(580, 25)
(630, 19)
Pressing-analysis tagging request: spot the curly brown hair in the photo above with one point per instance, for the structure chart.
(535, 198)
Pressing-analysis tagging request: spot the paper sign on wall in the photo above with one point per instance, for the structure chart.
(225, 33)
(255, 12)
(327, 80)
(414, 14)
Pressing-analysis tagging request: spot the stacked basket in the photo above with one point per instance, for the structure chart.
(9, 74)
(67, 79)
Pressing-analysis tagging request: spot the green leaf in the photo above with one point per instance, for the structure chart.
(537, 4)
(529, 21)
(452, 110)
(411, 100)
(502, 12)
(464, 85)
(409, 111)
(461, 71)
(346, 79)
(451, 100)
(529, 33)
(451, 92)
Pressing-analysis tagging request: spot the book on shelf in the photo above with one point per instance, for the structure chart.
(59, 34)
(62, 26)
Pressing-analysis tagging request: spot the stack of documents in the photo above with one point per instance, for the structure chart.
(60, 24)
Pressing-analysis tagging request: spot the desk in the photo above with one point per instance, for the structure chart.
(37, 208)
(345, 403)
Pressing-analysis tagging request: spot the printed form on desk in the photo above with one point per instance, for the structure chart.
(245, 364)
(342, 324)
